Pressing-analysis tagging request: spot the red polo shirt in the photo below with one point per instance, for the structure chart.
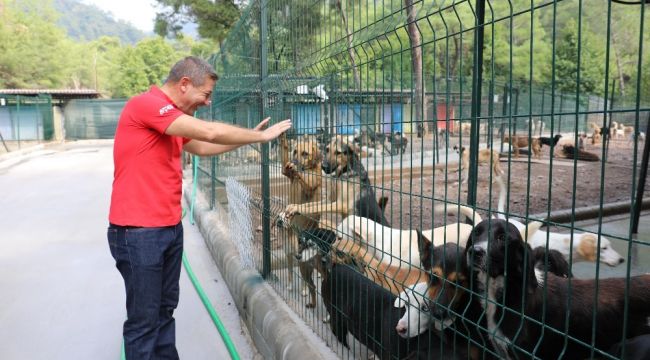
(147, 182)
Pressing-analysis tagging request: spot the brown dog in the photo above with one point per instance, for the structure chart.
(303, 168)
(352, 192)
(518, 142)
(485, 156)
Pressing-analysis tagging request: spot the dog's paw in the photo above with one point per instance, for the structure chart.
(290, 287)
(305, 292)
(289, 170)
(326, 319)
(310, 306)
(291, 210)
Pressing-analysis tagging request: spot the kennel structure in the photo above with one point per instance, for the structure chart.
(442, 73)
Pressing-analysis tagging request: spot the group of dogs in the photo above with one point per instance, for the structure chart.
(496, 288)
(491, 156)
(618, 131)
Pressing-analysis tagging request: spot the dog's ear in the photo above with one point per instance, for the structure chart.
(382, 202)
(425, 248)
(402, 300)
(315, 153)
(587, 247)
(520, 258)
(525, 263)
(529, 230)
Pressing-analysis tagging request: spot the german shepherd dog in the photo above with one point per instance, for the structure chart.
(353, 194)
(303, 168)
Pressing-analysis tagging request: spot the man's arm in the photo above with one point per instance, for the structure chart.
(204, 148)
(224, 134)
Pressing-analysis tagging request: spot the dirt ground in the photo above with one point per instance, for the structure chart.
(534, 189)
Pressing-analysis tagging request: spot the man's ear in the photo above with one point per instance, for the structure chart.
(184, 83)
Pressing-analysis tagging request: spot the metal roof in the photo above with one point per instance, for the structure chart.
(69, 92)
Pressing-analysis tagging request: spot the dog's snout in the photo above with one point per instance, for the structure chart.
(476, 252)
(621, 260)
(401, 329)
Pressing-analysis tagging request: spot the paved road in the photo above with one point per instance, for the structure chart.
(61, 296)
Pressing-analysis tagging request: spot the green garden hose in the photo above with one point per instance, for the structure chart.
(204, 298)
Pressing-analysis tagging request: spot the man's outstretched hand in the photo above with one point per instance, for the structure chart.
(273, 131)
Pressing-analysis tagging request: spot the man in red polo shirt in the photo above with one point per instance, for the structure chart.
(145, 233)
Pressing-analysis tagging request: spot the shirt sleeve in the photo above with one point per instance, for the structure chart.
(157, 114)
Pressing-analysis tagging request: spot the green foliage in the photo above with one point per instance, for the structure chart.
(143, 65)
(214, 18)
(33, 51)
(569, 51)
(308, 39)
(88, 22)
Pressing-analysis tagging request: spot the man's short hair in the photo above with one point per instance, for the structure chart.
(194, 68)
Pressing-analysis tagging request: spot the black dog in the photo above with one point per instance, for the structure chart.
(637, 348)
(455, 308)
(313, 244)
(366, 310)
(552, 261)
(549, 141)
(505, 276)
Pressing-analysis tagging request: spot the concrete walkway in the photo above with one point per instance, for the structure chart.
(62, 297)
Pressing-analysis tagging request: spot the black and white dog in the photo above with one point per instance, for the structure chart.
(529, 311)
(313, 244)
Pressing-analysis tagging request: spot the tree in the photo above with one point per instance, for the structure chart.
(214, 18)
(33, 51)
(567, 66)
(416, 60)
(144, 65)
(515, 50)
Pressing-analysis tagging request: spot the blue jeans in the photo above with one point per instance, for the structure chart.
(149, 260)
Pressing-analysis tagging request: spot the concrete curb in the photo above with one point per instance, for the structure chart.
(274, 331)
(590, 212)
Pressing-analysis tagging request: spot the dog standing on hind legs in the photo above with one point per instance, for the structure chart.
(352, 193)
(303, 168)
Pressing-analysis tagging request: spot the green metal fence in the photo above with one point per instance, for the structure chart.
(24, 120)
(92, 119)
(435, 74)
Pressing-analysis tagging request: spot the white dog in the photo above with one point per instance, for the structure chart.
(402, 244)
(585, 245)
(415, 320)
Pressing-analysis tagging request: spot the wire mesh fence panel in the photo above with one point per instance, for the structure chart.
(92, 119)
(25, 120)
(462, 178)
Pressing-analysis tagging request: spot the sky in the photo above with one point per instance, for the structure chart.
(140, 13)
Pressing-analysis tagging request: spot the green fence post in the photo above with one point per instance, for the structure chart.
(541, 112)
(477, 84)
(559, 125)
(266, 188)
